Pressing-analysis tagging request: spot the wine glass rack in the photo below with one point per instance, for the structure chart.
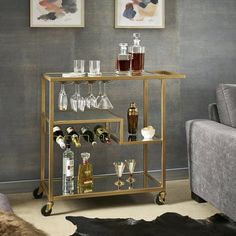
(103, 184)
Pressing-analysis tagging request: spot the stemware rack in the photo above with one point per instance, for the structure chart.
(103, 184)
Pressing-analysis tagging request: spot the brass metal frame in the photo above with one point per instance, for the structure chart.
(53, 78)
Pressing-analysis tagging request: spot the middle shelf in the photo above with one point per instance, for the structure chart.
(113, 122)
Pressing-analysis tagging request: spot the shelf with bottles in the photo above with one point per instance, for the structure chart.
(104, 185)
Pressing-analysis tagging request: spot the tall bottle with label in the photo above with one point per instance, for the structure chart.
(102, 134)
(88, 135)
(132, 117)
(59, 137)
(68, 171)
(85, 174)
(74, 137)
(137, 51)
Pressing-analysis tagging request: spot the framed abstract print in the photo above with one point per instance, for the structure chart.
(140, 13)
(57, 13)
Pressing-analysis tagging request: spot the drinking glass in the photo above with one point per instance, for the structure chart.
(94, 68)
(130, 164)
(62, 99)
(119, 168)
(79, 67)
(105, 103)
(90, 99)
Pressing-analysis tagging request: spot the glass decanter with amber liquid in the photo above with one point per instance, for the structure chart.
(85, 175)
(123, 60)
(137, 51)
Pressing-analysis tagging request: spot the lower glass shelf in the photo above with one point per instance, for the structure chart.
(104, 185)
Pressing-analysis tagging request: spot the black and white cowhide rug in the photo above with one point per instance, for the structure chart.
(168, 224)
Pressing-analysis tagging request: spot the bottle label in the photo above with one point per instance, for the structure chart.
(68, 167)
(56, 128)
(69, 129)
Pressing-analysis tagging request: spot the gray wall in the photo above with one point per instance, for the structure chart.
(199, 40)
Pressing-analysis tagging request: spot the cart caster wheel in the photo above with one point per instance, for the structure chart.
(36, 194)
(46, 210)
(159, 199)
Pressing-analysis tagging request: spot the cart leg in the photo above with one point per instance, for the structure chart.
(160, 198)
(47, 209)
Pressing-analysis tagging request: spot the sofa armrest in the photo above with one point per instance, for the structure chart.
(212, 163)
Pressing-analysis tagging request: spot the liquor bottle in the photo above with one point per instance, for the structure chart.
(137, 51)
(74, 137)
(88, 135)
(102, 134)
(68, 171)
(123, 60)
(85, 175)
(59, 137)
(132, 117)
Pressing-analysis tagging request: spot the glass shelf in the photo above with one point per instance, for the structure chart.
(88, 116)
(104, 185)
(57, 76)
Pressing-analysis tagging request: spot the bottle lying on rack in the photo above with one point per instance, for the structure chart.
(85, 175)
(88, 135)
(59, 137)
(73, 136)
(68, 171)
(102, 134)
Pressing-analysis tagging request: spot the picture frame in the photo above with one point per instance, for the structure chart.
(140, 14)
(60, 13)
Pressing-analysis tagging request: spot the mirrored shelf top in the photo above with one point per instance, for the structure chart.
(160, 75)
(105, 184)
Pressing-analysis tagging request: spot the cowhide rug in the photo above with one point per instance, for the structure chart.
(168, 224)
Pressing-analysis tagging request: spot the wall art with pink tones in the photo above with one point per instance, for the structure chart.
(57, 13)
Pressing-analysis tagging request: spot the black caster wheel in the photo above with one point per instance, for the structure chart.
(36, 194)
(159, 199)
(46, 210)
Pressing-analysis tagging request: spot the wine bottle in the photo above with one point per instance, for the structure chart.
(88, 135)
(102, 134)
(59, 137)
(74, 137)
(68, 171)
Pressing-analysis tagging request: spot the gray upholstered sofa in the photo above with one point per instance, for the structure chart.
(212, 153)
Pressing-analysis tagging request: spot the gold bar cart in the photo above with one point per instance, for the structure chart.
(145, 182)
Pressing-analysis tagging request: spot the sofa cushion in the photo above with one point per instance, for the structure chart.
(226, 104)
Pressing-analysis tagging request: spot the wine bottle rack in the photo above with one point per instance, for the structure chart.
(103, 184)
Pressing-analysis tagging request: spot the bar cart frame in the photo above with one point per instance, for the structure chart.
(46, 186)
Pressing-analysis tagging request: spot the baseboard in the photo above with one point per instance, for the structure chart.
(23, 186)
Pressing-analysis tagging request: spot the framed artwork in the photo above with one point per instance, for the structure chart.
(140, 13)
(57, 13)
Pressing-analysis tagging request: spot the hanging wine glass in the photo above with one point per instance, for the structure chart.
(90, 99)
(74, 101)
(80, 100)
(62, 99)
(105, 103)
(99, 97)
